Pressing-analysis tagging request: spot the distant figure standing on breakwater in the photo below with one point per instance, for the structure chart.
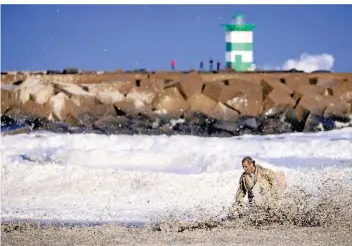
(201, 66)
(173, 65)
(218, 66)
(211, 65)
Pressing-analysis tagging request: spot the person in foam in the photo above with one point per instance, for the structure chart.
(262, 185)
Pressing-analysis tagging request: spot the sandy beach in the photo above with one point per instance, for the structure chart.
(111, 235)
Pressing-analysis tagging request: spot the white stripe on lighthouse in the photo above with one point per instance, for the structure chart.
(239, 37)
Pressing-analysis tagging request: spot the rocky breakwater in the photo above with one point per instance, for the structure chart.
(175, 103)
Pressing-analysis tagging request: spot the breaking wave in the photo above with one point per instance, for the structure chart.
(327, 202)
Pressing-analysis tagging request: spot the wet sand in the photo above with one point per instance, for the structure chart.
(112, 235)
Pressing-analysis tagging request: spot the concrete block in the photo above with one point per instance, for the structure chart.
(220, 92)
(247, 87)
(143, 94)
(31, 109)
(276, 98)
(314, 90)
(72, 89)
(247, 104)
(328, 83)
(109, 77)
(335, 107)
(223, 112)
(293, 82)
(268, 85)
(171, 102)
(121, 86)
(61, 106)
(343, 91)
(109, 97)
(9, 99)
(28, 87)
(157, 85)
(310, 104)
(191, 84)
(43, 95)
(88, 114)
(131, 107)
(201, 103)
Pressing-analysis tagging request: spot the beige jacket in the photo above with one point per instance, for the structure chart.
(262, 181)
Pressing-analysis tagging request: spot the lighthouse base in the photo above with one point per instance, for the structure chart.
(241, 68)
(239, 65)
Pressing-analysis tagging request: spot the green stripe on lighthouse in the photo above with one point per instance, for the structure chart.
(232, 28)
(239, 46)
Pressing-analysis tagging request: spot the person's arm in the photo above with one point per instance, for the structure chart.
(241, 192)
(271, 177)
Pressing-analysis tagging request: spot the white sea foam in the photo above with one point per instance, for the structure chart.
(135, 178)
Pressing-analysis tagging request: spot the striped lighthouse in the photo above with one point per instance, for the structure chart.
(239, 44)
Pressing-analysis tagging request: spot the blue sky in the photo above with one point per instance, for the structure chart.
(108, 37)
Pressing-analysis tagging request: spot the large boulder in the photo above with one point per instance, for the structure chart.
(314, 104)
(190, 84)
(11, 78)
(294, 81)
(274, 126)
(162, 75)
(277, 102)
(122, 86)
(246, 87)
(199, 102)
(248, 100)
(43, 95)
(109, 97)
(196, 123)
(7, 121)
(72, 89)
(113, 125)
(241, 125)
(142, 94)
(220, 92)
(170, 102)
(346, 96)
(316, 123)
(124, 124)
(32, 86)
(9, 97)
(154, 84)
(268, 85)
(86, 115)
(222, 112)
(109, 77)
(328, 83)
(77, 94)
(337, 109)
(344, 91)
(247, 104)
(30, 110)
(307, 105)
(61, 106)
(133, 107)
(314, 90)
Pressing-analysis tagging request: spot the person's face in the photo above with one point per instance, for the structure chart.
(247, 166)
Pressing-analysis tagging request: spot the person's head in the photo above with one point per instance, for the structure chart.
(248, 164)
